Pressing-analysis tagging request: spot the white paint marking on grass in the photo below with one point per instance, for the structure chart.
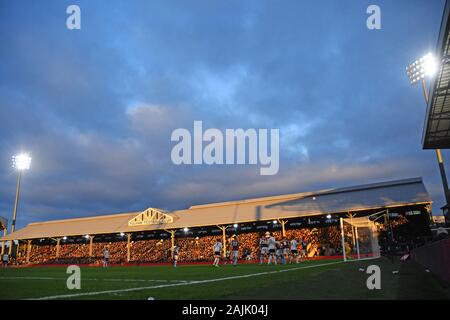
(63, 296)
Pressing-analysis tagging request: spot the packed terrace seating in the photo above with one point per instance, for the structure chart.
(198, 249)
(325, 241)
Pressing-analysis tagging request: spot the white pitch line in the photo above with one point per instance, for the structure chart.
(135, 280)
(188, 283)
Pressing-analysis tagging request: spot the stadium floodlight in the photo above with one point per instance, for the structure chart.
(64, 238)
(427, 67)
(20, 162)
(328, 216)
(419, 69)
(274, 221)
(86, 236)
(235, 225)
(122, 234)
(185, 229)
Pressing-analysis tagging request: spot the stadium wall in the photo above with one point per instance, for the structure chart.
(435, 257)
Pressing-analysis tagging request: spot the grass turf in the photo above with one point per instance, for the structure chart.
(308, 280)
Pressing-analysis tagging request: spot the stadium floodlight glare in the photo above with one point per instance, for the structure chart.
(185, 229)
(122, 234)
(21, 161)
(274, 221)
(86, 236)
(235, 225)
(64, 238)
(328, 216)
(419, 69)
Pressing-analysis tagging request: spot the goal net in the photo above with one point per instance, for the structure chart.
(359, 238)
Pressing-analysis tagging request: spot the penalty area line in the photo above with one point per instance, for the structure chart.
(81, 294)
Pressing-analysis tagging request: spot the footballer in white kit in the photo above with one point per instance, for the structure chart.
(272, 250)
(294, 250)
(264, 247)
(217, 252)
(105, 257)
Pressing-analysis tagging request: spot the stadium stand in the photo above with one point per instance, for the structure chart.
(150, 235)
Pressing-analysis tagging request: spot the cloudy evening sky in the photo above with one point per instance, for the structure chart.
(95, 107)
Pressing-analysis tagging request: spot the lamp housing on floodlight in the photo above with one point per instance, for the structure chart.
(21, 161)
(419, 69)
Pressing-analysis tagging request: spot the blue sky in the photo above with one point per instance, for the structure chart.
(95, 107)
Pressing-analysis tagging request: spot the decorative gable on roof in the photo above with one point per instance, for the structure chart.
(150, 216)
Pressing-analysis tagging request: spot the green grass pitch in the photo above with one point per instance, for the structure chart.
(307, 280)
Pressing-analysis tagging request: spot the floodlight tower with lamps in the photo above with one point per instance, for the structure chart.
(20, 162)
(418, 71)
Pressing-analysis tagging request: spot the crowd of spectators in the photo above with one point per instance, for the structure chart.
(324, 241)
(321, 241)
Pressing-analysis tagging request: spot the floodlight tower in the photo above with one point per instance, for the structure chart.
(20, 162)
(418, 71)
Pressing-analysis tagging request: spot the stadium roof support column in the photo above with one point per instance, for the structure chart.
(357, 243)
(283, 229)
(128, 247)
(350, 215)
(11, 243)
(28, 251)
(58, 242)
(224, 240)
(3, 242)
(91, 241)
(342, 239)
(18, 248)
(172, 240)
